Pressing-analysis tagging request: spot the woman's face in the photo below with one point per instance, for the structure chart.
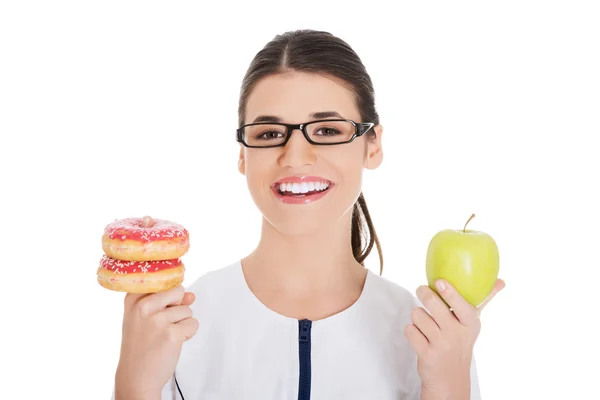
(332, 174)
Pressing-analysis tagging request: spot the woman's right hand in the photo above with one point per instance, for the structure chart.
(155, 326)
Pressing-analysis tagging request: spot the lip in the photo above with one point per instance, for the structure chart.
(299, 179)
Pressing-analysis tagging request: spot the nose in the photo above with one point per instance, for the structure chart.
(297, 152)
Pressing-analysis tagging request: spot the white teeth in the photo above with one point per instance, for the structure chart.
(303, 187)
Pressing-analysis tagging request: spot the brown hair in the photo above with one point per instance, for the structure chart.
(325, 54)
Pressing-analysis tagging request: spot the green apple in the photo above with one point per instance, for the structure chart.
(467, 259)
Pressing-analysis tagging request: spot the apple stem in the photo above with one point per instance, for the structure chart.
(472, 216)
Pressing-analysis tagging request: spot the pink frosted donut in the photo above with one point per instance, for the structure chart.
(140, 276)
(145, 239)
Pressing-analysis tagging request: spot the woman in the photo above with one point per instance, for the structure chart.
(301, 317)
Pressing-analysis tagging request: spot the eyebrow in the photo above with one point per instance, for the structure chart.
(316, 115)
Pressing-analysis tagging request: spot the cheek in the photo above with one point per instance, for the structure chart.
(259, 168)
(349, 164)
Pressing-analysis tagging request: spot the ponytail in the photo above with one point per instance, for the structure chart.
(363, 233)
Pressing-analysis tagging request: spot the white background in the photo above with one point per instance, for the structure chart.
(115, 109)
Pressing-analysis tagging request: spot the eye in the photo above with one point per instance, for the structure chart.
(268, 135)
(328, 131)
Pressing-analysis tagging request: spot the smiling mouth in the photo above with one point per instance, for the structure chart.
(303, 189)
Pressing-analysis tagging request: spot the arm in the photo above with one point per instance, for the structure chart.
(169, 392)
(469, 389)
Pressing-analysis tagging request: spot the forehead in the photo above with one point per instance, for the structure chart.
(294, 96)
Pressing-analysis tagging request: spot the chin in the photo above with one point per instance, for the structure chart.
(306, 219)
(294, 221)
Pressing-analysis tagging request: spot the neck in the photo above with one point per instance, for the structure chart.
(301, 264)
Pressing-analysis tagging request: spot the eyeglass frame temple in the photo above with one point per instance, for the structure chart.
(360, 129)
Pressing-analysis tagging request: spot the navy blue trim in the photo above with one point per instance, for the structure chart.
(178, 389)
(304, 327)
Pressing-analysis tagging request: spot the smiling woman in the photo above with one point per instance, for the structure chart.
(301, 317)
(331, 132)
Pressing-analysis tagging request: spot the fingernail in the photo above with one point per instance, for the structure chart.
(441, 286)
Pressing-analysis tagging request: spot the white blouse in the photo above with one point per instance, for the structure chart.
(244, 350)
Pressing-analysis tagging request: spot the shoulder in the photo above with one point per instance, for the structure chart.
(389, 299)
(387, 290)
(221, 281)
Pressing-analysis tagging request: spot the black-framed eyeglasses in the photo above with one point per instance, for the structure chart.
(323, 132)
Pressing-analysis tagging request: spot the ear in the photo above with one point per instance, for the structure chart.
(242, 161)
(374, 154)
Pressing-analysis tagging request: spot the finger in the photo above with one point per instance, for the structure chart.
(188, 299)
(158, 301)
(426, 324)
(436, 306)
(131, 299)
(175, 314)
(464, 311)
(500, 284)
(416, 339)
(187, 328)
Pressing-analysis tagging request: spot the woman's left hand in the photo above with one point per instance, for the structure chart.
(443, 340)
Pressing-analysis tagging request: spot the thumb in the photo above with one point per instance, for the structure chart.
(188, 299)
(500, 284)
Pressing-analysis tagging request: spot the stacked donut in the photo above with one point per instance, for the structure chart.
(142, 255)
